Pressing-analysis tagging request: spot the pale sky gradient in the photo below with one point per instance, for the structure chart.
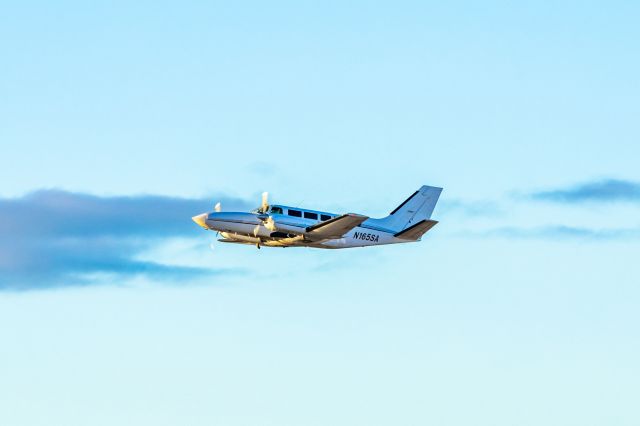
(519, 308)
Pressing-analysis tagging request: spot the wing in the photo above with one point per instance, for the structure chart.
(335, 227)
(416, 231)
(229, 240)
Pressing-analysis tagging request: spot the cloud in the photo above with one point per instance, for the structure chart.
(605, 191)
(561, 232)
(608, 190)
(262, 168)
(52, 238)
(470, 208)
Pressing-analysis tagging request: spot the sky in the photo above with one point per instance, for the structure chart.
(120, 121)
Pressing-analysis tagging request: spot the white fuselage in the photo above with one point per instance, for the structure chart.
(289, 230)
(284, 226)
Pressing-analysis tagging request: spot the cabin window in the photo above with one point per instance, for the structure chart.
(309, 215)
(324, 217)
(295, 213)
(276, 210)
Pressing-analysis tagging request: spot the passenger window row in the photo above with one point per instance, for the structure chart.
(308, 215)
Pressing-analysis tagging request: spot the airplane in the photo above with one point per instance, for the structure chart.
(284, 226)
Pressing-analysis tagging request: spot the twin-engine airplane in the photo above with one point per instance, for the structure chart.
(284, 226)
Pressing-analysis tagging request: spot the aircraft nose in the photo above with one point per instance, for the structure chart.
(201, 220)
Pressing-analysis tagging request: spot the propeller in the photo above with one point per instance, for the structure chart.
(264, 207)
(263, 216)
(217, 208)
(270, 224)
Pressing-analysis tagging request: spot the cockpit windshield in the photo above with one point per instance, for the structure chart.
(276, 210)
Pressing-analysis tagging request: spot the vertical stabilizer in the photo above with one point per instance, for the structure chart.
(418, 207)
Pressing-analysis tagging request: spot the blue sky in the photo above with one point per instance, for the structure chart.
(119, 122)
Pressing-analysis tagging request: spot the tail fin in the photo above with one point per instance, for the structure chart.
(415, 209)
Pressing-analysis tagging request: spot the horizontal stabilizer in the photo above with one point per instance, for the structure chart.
(416, 231)
(335, 227)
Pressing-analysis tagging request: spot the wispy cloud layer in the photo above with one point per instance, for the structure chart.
(607, 190)
(561, 232)
(51, 238)
(476, 208)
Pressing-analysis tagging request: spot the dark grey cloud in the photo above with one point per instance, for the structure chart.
(51, 238)
(607, 190)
